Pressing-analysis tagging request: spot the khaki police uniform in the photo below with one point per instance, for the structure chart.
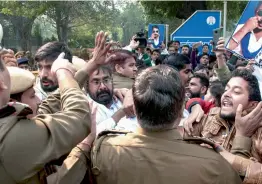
(28, 145)
(147, 157)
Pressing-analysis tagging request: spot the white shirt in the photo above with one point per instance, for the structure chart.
(156, 41)
(253, 44)
(185, 116)
(40, 93)
(104, 120)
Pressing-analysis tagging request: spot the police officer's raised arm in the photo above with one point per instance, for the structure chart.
(30, 144)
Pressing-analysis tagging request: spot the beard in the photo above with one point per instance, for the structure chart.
(228, 117)
(104, 97)
(195, 95)
(52, 87)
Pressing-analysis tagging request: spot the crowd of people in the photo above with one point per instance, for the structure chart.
(129, 115)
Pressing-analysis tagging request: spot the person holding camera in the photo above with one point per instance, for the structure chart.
(138, 45)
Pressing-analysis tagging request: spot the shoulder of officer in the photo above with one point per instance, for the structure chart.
(111, 133)
(206, 142)
(106, 135)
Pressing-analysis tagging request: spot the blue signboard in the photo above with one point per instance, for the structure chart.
(198, 27)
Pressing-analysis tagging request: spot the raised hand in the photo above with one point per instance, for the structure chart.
(61, 63)
(101, 49)
(251, 24)
(220, 48)
(133, 43)
(8, 57)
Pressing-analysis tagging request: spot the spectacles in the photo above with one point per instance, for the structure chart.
(259, 12)
(106, 82)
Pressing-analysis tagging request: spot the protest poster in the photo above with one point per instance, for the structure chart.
(156, 35)
(246, 40)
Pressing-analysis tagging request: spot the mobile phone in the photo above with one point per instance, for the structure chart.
(217, 33)
(150, 41)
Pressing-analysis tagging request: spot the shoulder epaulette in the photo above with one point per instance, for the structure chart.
(200, 140)
(100, 138)
(112, 132)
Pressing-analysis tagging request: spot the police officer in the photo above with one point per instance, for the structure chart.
(28, 144)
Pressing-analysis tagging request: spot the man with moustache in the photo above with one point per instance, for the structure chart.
(236, 125)
(45, 56)
(198, 86)
(110, 110)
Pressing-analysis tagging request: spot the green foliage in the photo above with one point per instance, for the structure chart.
(172, 9)
(29, 9)
(237, 7)
(131, 20)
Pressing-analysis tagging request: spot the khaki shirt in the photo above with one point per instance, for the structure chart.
(150, 158)
(122, 82)
(216, 128)
(157, 157)
(27, 145)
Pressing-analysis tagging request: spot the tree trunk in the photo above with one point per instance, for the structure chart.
(62, 26)
(24, 27)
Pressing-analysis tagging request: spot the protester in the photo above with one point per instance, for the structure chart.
(175, 45)
(205, 49)
(149, 51)
(45, 56)
(155, 56)
(182, 64)
(241, 90)
(124, 67)
(211, 99)
(7, 56)
(185, 50)
(110, 110)
(204, 60)
(198, 86)
(171, 50)
(201, 69)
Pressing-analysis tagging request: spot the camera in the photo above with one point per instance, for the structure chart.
(140, 36)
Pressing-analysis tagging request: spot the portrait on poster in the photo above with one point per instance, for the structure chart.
(246, 40)
(156, 33)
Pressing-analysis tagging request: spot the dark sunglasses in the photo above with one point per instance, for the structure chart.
(259, 13)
